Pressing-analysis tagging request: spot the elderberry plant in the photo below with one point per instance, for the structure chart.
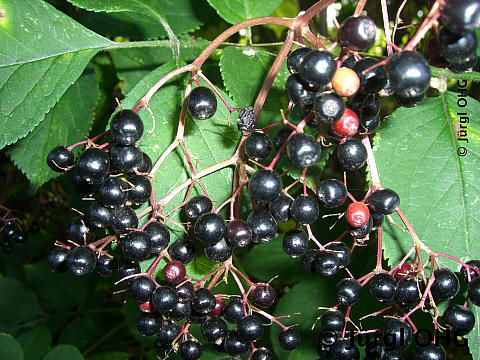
(335, 161)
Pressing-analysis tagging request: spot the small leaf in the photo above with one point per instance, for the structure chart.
(79, 332)
(10, 349)
(234, 11)
(18, 305)
(64, 352)
(417, 153)
(35, 342)
(66, 123)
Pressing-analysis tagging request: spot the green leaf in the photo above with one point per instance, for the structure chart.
(274, 262)
(44, 52)
(417, 156)
(10, 349)
(35, 342)
(210, 141)
(64, 352)
(133, 64)
(55, 290)
(79, 332)
(128, 18)
(447, 74)
(234, 11)
(303, 298)
(68, 122)
(17, 305)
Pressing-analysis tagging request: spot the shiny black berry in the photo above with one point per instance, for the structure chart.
(202, 103)
(81, 260)
(409, 74)
(280, 208)
(429, 352)
(209, 228)
(233, 311)
(126, 127)
(185, 291)
(445, 286)
(326, 263)
(457, 48)
(80, 231)
(214, 329)
(99, 216)
(295, 243)
(148, 324)
(262, 354)
(112, 192)
(167, 332)
(136, 246)
(182, 250)
(197, 206)
(258, 146)
(383, 287)
(352, 155)
(146, 165)
(361, 231)
(308, 260)
(341, 251)
(264, 226)
(234, 345)
(333, 320)
(343, 350)
(191, 350)
(239, 233)
(86, 188)
(250, 328)
(123, 218)
(141, 288)
(93, 164)
(372, 81)
(57, 259)
(461, 15)
(203, 301)
(281, 138)
(328, 107)
(358, 33)
(299, 92)
(164, 298)
(218, 252)
(159, 236)
(462, 67)
(106, 266)
(289, 339)
(304, 209)
(140, 189)
(60, 159)
(459, 319)
(474, 291)
(331, 193)
(128, 268)
(265, 185)
(475, 264)
(408, 294)
(295, 58)
(397, 331)
(125, 158)
(384, 201)
(348, 291)
(303, 150)
(317, 68)
(263, 296)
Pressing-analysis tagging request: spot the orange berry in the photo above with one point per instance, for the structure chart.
(345, 82)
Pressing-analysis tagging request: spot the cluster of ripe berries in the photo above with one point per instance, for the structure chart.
(405, 289)
(11, 232)
(455, 45)
(113, 177)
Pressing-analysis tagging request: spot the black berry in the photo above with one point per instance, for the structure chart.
(202, 103)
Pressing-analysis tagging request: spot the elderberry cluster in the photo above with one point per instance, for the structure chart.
(11, 232)
(113, 177)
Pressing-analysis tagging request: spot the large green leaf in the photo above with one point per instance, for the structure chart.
(133, 64)
(17, 305)
(208, 142)
(127, 18)
(303, 298)
(35, 342)
(235, 11)
(417, 153)
(43, 53)
(10, 349)
(66, 123)
(64, 352)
